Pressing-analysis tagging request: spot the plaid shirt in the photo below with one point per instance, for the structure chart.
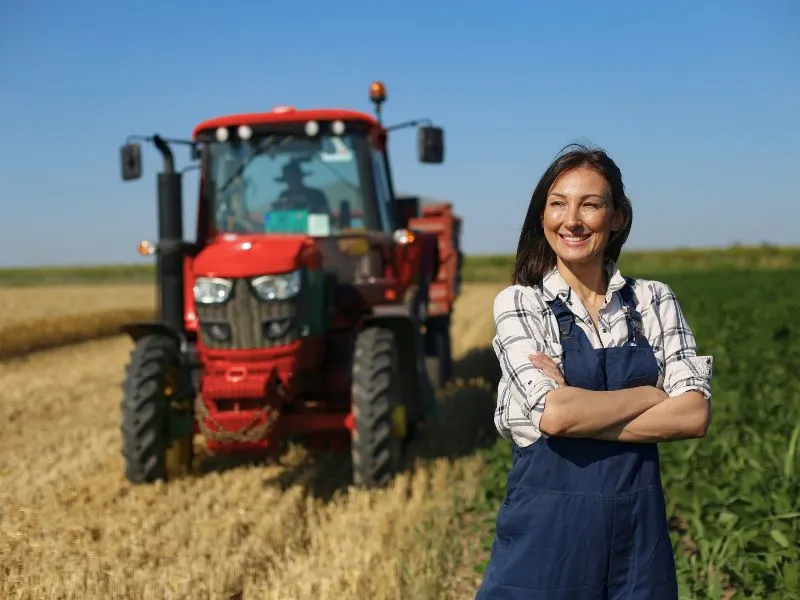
(525, 324)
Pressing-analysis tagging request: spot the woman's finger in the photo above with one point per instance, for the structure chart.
(542, 364)
(553, 374)
(548, 367)
(548, 370)
(542, 361)
(538, 358)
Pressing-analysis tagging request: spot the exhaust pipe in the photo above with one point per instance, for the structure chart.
(169, 257)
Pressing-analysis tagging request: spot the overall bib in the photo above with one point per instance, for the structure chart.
(582, 518)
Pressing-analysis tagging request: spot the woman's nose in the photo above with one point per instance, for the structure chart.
(572, 218)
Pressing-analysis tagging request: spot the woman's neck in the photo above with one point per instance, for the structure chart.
(588, 280)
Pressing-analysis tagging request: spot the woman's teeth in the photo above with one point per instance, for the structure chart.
(574, 238)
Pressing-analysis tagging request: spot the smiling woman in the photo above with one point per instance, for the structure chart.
(596, 369)
(579, 202)
(580, 216)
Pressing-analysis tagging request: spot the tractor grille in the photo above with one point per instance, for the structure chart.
(246, 322)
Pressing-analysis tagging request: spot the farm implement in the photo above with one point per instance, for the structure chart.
(314, 303)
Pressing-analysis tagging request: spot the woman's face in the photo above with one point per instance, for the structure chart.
(579, 216)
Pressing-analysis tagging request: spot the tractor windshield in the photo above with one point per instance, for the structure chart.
(287, 184)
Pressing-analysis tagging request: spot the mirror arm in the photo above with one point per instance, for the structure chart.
(151, 138)
(162, 144)
(413, 123)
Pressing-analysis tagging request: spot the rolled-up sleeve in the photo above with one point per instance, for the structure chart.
(522, 388)
(684, 370)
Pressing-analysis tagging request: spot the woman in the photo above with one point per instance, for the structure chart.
(597, 369)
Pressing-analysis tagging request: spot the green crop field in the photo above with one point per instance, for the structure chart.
(735, 494)
(499, 267)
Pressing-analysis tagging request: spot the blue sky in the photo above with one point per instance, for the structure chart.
(699, 103)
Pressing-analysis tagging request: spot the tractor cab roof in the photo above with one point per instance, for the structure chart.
(285, 115)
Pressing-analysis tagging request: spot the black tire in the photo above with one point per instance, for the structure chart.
(439, 359)
(376, 444)
(153, 381)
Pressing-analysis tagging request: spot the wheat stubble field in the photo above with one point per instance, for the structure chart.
(71, 527)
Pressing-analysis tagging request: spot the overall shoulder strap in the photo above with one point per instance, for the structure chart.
(563, 315)
(628, 297)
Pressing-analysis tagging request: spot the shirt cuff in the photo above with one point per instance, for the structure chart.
(690, 374)
(535, 398)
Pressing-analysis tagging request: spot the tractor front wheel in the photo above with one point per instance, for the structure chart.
(380, 420)
(153, 401)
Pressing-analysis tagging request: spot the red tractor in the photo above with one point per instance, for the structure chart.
(308, 305)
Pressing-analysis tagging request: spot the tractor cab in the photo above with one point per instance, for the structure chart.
(319, 173)
(294, 179)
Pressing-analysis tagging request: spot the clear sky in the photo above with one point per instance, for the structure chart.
(699, 103)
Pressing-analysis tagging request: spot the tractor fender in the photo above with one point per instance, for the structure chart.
(397, 317)
(138, 330)
(188, 356)
(413, 305)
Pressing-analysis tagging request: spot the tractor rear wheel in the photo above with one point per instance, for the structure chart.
(380, 420)
(152, 390)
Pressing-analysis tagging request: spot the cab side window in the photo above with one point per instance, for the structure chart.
(382, 191)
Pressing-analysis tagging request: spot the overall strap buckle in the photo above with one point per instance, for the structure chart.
(633, 317)
(564, 317)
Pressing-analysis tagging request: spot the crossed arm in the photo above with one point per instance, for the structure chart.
(641, 414)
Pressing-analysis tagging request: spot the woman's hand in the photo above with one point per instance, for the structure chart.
(547, 366)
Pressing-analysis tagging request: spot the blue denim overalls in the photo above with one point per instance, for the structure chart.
(582, 518)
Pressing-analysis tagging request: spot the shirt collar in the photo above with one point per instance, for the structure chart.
(554, 285)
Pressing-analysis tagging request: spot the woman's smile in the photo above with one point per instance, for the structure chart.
(575, 239)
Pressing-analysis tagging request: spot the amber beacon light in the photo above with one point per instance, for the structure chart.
(377, 92)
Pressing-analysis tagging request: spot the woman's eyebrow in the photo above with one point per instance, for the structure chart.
(560, 195)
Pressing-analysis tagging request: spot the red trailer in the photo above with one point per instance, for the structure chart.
(439, 218)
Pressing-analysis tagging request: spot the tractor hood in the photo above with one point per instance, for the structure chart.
(251, 255)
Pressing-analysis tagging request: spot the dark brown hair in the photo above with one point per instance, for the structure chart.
(535, 257)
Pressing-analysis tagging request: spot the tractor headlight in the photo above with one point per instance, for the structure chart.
(277, 287)
(212, 290)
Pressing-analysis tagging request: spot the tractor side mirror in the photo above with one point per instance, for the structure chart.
(405, 209)
(131, 161)
(196, 152)
(430, 144)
